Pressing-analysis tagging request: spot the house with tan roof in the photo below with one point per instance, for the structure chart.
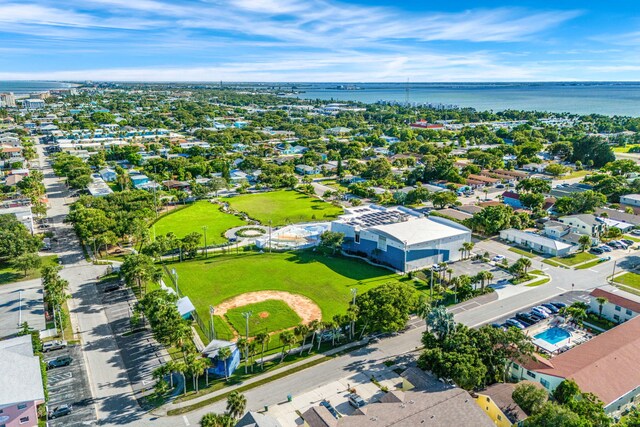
(605, 366)
(497, 402)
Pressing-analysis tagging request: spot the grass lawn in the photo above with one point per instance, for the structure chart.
(8, 274)
(574, 259)
(194, 217)
(538, 282)
(625, 149)
(576, 174)
(630, 237)
(325, 280)
(267, 316)
(284, 207)
(629, 279)
(523, 252)
(588, 264)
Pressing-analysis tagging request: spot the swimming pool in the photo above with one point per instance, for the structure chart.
(553, 335)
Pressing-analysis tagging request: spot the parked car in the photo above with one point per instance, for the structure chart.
(635, 232)
(497, 325)
(330, 408)
(615, 245)
(53, 345)
(59, 362)
(545, 309)
(503, 282)
(60, 411)
(622, 244)
(525, 319)
(514, 323)
(627, 241)
(540, 312)
(597, 251)
(500, 186)
(558, 304)
(497, 258)
(535, 317)
(356, 401)
(435, 267)
(550, 307)
(605, 248)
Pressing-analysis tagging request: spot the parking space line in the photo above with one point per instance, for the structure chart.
(186, 421)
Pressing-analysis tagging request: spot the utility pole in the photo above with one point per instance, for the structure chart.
(246, 316)
(211, 312)
(354, 292)
(204, 228)
(614, 270)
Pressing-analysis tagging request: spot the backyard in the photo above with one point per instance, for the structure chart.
(192, 218)
(284, 207)
(325, 280)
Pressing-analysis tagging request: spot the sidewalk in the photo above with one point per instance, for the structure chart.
(162, 411)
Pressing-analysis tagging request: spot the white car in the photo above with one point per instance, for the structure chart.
(540, 312)
(53, 345)
(497, 258)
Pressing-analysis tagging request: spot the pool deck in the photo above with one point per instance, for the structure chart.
(576, 336)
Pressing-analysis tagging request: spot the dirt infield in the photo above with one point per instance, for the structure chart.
(303, 306)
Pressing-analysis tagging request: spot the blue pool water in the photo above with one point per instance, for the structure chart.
(553, 335)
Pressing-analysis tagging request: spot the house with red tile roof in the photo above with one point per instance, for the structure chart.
(605, 366)
(620, 305)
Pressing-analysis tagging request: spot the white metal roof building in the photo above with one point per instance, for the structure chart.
(400, 238)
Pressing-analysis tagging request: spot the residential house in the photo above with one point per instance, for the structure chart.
(138, 179)
(22, 213)
(618, 215)
(257, 419)
(22, 388)
(620, 305)
(173, 184)
(538, 243)
(512, 199)
(108, 174)
(237, 176)
(497, 402)
(606, 366)
(97, 187)
(307, 170)
(566, 190)
(585, 224)
(630, 200)
(338, 130)
(563, 233)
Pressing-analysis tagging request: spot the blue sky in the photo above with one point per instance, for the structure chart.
(319, 40)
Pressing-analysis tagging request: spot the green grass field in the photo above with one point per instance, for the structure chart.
(625, 149)
(629, 279)
(267, 316)
(192, 218)
(284, 207)
(325, 280)
(8, 274)
(523, 252)
(574, 259)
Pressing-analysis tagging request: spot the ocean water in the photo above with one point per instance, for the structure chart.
(28, 86)
(615, 98)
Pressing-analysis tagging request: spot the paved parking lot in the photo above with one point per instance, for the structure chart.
(471, 268)
(567, 298)
(69, 385)
(140, 352)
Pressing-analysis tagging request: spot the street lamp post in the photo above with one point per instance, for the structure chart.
(213, 331)
(246, 316)
(354, 292)
(269, 235)
(204, 229)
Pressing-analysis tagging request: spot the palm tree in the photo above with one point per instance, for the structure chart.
(236, 404)
(287, 338)
(322, 326)
(159, 374)
(449, 272)
(526, 263)
(468, 246)
(263, 339)
(206, 364)
(352, 316)
(241, 345)
(251, 349)
(584, 241)
(601, 302)
(301, 331)
(224, 353)
(441, 322)
(216, 420)
(462, 251)
(314, 325)
(181, 368)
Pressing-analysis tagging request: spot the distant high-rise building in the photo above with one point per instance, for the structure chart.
(7, 100)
